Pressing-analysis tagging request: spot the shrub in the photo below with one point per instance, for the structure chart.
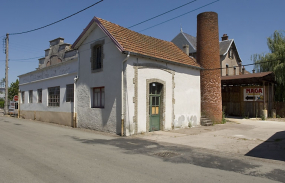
(224, 118)
(2, 104)
(263, 117)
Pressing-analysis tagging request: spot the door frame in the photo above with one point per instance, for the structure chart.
(162, 103)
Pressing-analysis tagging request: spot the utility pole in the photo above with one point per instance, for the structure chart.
(6, 75)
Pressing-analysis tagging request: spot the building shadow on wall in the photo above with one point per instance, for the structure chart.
(273, 148)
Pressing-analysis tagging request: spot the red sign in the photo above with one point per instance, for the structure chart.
(15, 98)
(254, 90)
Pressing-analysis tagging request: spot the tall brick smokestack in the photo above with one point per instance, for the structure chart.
(208, 56)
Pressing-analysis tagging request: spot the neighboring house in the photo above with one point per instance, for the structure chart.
(229, 56)
(47, 94)
(132, 83)
(2, 92)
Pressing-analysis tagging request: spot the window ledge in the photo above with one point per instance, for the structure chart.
(96, 70)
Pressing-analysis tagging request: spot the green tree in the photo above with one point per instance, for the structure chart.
(13, 89)
(2, 83)
(274, 61)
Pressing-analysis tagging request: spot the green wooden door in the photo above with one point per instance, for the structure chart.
(154, 117)
(154, 106)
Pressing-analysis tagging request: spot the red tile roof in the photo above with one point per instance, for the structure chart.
(131, 41)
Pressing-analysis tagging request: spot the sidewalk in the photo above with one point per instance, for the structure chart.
(242, 136)
(1, 112)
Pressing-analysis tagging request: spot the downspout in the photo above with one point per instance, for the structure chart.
(75, 125)
(122, 95)
(74, 103)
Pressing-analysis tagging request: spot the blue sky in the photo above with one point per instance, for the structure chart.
(248, 22)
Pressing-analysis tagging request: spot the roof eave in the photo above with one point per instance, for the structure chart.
(75, 45)
(162, 60)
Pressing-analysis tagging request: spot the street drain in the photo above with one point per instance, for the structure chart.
(166, 154)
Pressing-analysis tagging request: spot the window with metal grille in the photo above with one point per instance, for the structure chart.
(70, 93)
(40, 95)
(98, 97)
(30, 96)
(23, 96)
(97, 57)
(53, 96)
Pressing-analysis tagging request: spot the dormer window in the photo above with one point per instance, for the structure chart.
(97, 56)
(231, 53)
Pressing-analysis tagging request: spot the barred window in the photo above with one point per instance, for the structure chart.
(30, 96)
(97, 57)
(53, 96)
(23, 96)
(70, 93)
(40, 95)
(98, 97)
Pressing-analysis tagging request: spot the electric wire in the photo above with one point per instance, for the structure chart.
(156, 17)
(127, 27)
(162, 14)
(245, 65)
(58, 20)
(23, 59)
(180, 15)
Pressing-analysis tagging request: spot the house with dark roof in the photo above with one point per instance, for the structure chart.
(229, 56)
(130, 83)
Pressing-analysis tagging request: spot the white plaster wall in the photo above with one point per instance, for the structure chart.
(109, 117)
(151, 73)
(129, 96)
(56, 75)
(44, 85)
(186, 94)
(187, 107)
(57, 70)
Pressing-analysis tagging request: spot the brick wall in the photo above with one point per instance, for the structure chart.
(209, 58)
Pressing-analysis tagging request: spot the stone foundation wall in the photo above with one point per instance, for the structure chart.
(62, 118)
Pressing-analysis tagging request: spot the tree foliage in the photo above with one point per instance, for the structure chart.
(274, 61)
(13, 89)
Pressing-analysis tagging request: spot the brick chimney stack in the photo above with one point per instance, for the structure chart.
(208, 56)
(225, 37)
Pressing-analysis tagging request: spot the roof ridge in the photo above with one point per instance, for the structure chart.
(132, 30)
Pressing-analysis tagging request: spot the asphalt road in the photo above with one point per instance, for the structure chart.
(40, 152)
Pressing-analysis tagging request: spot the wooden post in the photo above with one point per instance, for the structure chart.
(268, 106)
(263, 95)
(6, 75)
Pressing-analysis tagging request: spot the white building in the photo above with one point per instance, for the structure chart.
(47, 94)
(2, 92)
(133, 83)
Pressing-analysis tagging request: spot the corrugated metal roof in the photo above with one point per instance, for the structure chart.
(253, 78)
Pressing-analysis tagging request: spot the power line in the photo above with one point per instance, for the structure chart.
(156, 17)
(268, 61)
(162, 14)
(23, 59)
(180, 15)
(58, 20)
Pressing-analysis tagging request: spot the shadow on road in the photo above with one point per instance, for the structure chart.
(178, 154)
(273, 148)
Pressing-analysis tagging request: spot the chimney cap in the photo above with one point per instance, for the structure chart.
(225, 37)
